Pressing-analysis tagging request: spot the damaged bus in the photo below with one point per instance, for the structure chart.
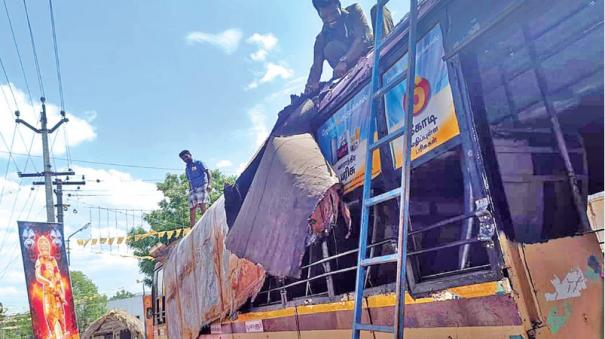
(507, 147)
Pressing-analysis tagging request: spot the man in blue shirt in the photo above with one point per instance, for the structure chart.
(198, 177)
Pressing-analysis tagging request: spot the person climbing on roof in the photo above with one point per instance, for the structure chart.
(344, 38)
(198, 176)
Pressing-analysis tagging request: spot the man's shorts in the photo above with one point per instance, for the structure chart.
(198, 196)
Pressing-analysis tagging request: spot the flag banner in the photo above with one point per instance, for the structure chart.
(47, 280)
(119, 240)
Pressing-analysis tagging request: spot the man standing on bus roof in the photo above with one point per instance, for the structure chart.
(344, 38)
(198, 177)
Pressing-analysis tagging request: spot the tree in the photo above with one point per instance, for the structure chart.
(16, 326)
(173, 213)
(89, 303)
(122, 294)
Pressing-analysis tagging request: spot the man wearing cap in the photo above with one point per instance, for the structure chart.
(198, 177)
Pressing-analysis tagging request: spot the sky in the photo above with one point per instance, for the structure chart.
(142, 80)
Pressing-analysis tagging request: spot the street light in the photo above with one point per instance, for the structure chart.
(87, 225)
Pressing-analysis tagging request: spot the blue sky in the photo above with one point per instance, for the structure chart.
(143, 80)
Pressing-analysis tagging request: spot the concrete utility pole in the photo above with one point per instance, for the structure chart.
(44, 131)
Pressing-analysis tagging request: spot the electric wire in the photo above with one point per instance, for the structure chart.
(16, 243)
(33, 43)
(59, 79)
(12, 30)
(58, 64)
(107, 163)
(9, 84)
(5, 181)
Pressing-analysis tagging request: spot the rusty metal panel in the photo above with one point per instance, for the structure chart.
(272, 227)
(204, 281)
(567, 276)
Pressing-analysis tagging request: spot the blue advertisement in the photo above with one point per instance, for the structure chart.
(434, 121)
(342, 140)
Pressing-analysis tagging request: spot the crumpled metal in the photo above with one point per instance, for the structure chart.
(292, 185)
(204, 282)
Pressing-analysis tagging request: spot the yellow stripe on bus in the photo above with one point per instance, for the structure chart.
(375, 301)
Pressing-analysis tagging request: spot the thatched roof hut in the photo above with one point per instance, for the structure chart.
(116, 323)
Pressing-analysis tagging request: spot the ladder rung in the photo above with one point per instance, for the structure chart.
(383, 197)
(390, 137)
(396, 80)
(380, 260)
(374, 328)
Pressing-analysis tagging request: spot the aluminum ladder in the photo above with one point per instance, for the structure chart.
(402, 192)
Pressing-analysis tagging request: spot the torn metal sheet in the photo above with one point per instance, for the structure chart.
(204, 281)
(273, 224)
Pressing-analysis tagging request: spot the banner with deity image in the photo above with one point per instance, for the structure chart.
(435, 120)
(47, 280)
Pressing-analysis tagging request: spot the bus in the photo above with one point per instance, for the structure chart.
(507, 147)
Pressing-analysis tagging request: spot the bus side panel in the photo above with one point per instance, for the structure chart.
(567, 276)
(499, 332)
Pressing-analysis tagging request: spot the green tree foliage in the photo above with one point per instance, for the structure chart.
(122, 294)
(173, 213)
(16, 325)
(89, 303)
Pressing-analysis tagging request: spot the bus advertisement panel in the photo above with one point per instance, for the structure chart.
(47, 280)
(435, 119)
(342, 140)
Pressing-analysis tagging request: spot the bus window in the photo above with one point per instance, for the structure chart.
(158, 293)
(513, 85)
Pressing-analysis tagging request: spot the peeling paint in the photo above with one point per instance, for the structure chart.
(556, 321)
(444, 295)
(570, 287)
(594, 270)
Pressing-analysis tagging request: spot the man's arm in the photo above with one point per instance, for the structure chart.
(362, 34)
(209, 176)
(203, 166)
(317, 67)
(188, 181)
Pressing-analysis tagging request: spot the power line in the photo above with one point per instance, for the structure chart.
(58, 64)
(33, 43)
(7, 167)
(29, 150)
(10, 24)
(107, 163)
(9, 84)
(59, 79)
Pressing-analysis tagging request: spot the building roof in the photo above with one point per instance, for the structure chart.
(123, 320)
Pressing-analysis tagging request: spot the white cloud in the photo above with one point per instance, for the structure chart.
(241, 167)
(282, 96)
(259, 129)
(264, 42)
(224, 164)
(78, 129)
(227, 40)
(272, 72)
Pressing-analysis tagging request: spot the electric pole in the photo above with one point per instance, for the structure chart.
(48, 174)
